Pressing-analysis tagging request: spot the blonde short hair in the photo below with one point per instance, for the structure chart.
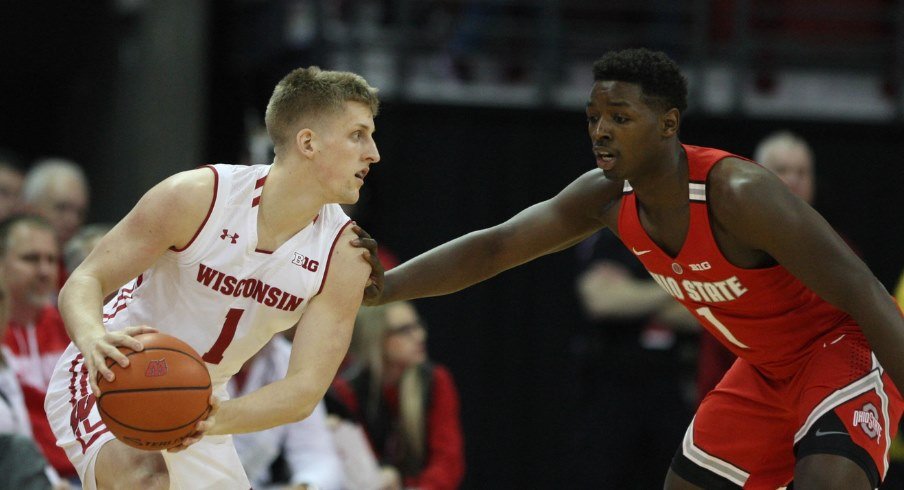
(311, 92)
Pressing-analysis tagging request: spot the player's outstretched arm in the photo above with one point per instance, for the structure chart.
(756, 208)
(167, 215)
(321, 342)
(546, 227)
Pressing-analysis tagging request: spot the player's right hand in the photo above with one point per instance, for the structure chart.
(99, 348)
(374, 288)
(201, 428)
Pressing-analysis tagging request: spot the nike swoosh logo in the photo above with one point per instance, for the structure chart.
(640, 252)
(820, 433)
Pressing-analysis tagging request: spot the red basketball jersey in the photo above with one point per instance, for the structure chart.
(766, 316)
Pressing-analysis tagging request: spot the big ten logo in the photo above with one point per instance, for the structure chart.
(305, 263)
(702, 266)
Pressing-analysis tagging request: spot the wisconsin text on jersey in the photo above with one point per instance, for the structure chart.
(262, 292)
(708, 292)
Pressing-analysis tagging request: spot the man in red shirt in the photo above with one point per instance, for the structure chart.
(809, 400)
(29, 255)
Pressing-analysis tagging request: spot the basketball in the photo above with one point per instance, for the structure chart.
(160, 397)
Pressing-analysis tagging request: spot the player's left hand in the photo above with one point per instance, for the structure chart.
(200, 429)
(374, 288)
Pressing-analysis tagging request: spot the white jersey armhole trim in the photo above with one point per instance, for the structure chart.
(213, 201)
(329, 258)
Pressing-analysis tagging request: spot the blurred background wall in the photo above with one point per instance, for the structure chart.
(482, 116)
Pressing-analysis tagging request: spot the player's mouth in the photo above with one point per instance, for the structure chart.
(605, 159)
(361, 174)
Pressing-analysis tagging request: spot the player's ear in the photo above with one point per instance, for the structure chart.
(304, 141)
(669, 123)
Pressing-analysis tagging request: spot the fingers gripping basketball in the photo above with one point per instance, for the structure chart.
(160, 397)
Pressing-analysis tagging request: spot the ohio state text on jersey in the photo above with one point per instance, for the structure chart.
(766, 316)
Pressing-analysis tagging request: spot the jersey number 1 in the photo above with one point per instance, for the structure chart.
(705, 312)
(215, 354)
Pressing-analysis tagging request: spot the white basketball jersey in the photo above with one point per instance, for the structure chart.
(221, 294)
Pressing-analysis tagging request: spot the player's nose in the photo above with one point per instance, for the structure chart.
(373, 154)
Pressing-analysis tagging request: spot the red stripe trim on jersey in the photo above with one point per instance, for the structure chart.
(110, 316)
(78, 422)
(316, 217)
(255, 201)
(260, 182)
(262, 251)
(329, 258)
(216, 184)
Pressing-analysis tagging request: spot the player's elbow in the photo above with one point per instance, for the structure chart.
(302, 407)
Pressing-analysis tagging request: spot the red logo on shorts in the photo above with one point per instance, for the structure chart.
(156, 368)
(868, 420)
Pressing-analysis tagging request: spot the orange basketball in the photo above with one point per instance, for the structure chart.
(160, 398)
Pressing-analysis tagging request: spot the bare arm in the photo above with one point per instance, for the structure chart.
(543, 228)
(754, 207)
(607, 289)
(168, 215)
(321, 341)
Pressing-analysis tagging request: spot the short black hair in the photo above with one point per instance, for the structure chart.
(658, 76)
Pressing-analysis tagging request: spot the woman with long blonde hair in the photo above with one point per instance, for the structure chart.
(407, 405)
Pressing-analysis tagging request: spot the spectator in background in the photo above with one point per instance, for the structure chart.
(10, 184)
(57, 189)
(306, 447)
(632, 353)
(408, 406)
(77, 248)
(22, 466)
(789, 157)
(36, 337)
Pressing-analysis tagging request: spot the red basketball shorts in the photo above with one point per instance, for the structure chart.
(749, 429)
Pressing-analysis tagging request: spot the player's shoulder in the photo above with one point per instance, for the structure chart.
(592, 191)
(189, 184)
(735, 181)
(741, 193)
(346, 267)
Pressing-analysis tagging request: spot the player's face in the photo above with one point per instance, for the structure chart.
(405, 344)
(30, 265)
(624, 130)
(348, 150)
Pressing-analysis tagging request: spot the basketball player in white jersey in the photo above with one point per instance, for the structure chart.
(223, 257)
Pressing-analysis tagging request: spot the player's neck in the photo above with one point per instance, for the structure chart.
(665, 185)
(288, 201)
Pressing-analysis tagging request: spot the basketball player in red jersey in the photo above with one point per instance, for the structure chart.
(807, 404)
